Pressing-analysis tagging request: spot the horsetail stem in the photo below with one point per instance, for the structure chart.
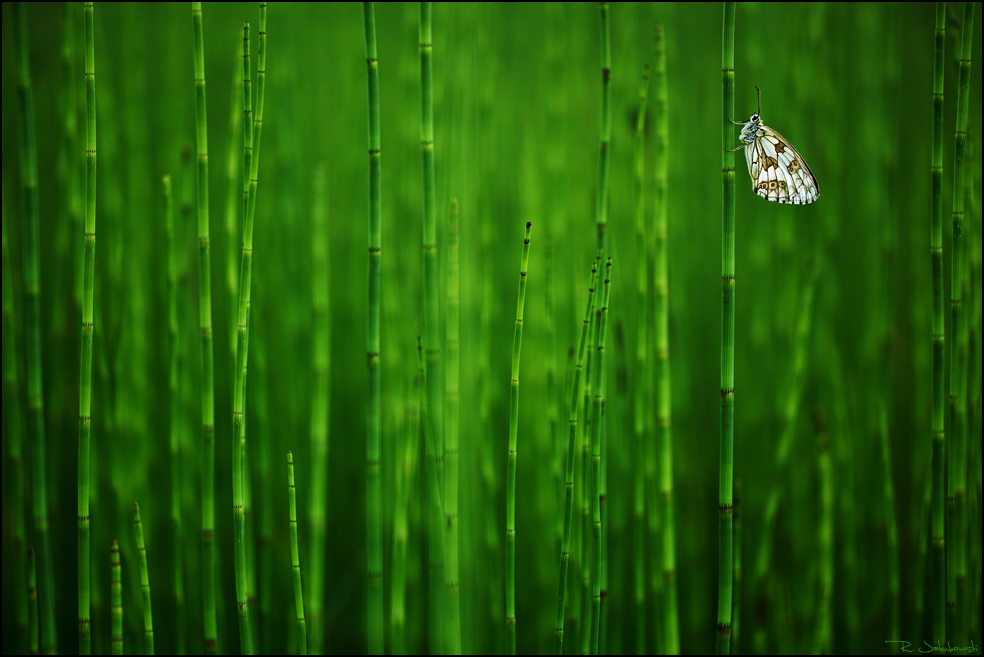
(434, 426)
(320, 409)
(295, 560)
(638, 403)
(937, 429)
(451, 441)
(88, 292)
(174, 412)
(404, 490)
(825, 536)
(958, 379)
(664, 407)
(116, 598)
(565, 550)
(27, 147)
(511, 459)
(14, 439)
(726, 467)
(374, 406)
(601, 203)
(205, 330)
(144, 581)
(596, 465)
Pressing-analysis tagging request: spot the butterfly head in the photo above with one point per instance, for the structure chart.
(749, 133)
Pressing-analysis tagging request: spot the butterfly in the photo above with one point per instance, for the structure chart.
(778, 172)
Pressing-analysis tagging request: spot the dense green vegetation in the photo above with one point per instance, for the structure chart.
(782, 388)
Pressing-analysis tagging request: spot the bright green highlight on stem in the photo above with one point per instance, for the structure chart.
(511, 462)
(726, 450)
(374, 562)
(144, 581)
(295, 559)
(565, 550)
(116, 598)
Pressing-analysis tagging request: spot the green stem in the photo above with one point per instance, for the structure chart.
(252, 158)
(725, 564)
(565, 550)
(937, 431)
(451, 442)
(88, 291)
(116, 598)
(825, 536)
(295, 559)
(374, 406)
(661, 287)
(639, 401)
(205, 329)
(958, 352)
(174, 413)
(13, 439)
(601, 203)
(404, 488)
(144, 581)
(511, 457)
(321, 405)
(598, 385)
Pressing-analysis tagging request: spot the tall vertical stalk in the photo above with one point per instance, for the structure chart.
(661, 288)
(891, 529)
(373, 408)
(116, 598)
(565, 550)
(144, 581)
(958, 378)
(511, 456)
(174, 412)
(251, 150)
(639, 401)
(451, 442)
(599, 378)
(404, 488)
(205, 308)
(27, 148)
(14, 438)
(601, 203)
(88, 291)
(937, 430)
(726, 468)
(320, 409)
(295, 559)
(434, 425)
(205, 329)
(822, 643)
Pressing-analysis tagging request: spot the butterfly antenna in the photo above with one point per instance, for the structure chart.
(759, 100)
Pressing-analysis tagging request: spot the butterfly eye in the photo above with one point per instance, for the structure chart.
(755, 117)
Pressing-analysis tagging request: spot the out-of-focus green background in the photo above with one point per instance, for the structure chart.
(517, 101)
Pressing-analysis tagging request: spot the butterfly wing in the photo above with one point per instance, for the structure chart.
(779, 173)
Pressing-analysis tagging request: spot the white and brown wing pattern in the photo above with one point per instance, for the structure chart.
(778, 172)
